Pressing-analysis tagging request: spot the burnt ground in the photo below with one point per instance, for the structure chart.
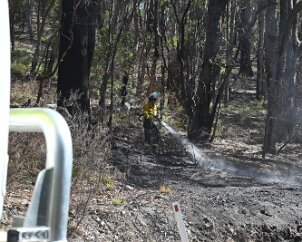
(226, 193)
(229, 194)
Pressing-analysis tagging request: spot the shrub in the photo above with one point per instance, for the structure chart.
(91, 154)
(91, 151)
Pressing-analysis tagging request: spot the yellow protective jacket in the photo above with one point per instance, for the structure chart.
(150, 110)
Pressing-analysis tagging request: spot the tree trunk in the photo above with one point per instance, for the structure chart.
(12, 16)
(42, 15)
(230, 45)
(277, 49)
(260, 57)
(103, 88)
(154, 13)
(136, 25)
(200, 124)
(289, 78)
(180, 68)
(246, 39)
(29, 20)
(77, 42)
(120, 18)
(143, 51)
(271, 54)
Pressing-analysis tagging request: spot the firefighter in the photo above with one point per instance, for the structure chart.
(150, 112)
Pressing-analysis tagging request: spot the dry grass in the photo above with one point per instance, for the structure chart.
(91, 149)
(26, 156)
(91, 154)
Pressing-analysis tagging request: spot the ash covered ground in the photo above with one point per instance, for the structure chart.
(228, 194)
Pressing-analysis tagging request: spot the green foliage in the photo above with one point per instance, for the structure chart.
(76, 172)
(172, 42)
(261, 106)
(119, 201)
(20, 61)
(164, 3)
(107, 182)
(165, 189)
(243, 116)
(19, 69)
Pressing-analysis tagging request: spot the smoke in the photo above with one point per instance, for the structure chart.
(198, 155)
(220, 164)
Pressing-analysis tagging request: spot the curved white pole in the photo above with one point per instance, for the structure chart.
(4, 95)
(59, 158)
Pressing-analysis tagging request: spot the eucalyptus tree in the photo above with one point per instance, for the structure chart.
(143, 44)
(149, 22)
(77, 42)
(260, 87)
(13, 5)
(43, 9)
(230, 44)
(282, 49)
(182, 52)
(209, 92)
(117, 17)
(18, 12)
(193, 44)
(246, 33)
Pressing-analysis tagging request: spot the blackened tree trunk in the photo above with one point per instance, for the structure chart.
(278, 56)
(200, 124)
(153, 25)
(29, 19)
(246, 39)
(179, 70)
(260, 57)
(77, 40)
(273, 86)
(293, 51)
(13, 5)
(230, 31)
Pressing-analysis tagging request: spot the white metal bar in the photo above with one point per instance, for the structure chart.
(4, 96)
(59, 158)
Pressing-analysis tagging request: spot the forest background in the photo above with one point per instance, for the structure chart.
(95, 59)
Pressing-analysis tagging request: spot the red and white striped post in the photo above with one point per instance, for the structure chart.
(180, 222)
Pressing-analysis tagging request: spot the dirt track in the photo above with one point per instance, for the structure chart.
(237, 198)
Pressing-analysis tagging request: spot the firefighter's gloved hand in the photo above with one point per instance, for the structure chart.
(157, 118)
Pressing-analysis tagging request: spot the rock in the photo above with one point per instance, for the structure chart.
(264, 211)
(230, 229)
(129, 188)
(266, 228)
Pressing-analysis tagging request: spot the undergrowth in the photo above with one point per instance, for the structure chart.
(91, 152)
